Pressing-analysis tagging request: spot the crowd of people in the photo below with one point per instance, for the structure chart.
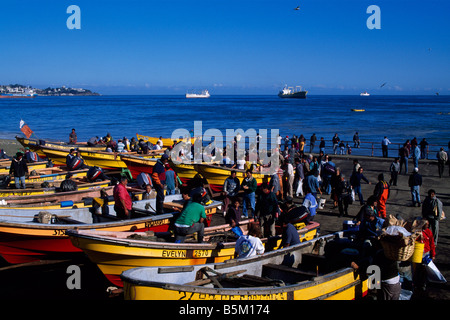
(308, 177)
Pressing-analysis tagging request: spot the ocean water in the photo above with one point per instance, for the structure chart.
(397, 117)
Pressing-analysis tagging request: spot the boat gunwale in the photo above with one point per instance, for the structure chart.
(126, 276)
(180, 246)
(89, 226)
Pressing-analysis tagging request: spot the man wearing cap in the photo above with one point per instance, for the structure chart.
(159, 179)
(19, 169)
(414, 182)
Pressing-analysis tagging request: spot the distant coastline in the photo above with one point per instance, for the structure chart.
(61, 91)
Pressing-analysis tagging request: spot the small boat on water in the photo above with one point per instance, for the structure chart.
(26, 238)
(306, 271)
(204, 94)
(216, 175)
(358, 110)
(115, 252)
(364, 94)
(290, 92)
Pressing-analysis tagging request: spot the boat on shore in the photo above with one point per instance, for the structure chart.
(204, 94)
(138, 164)
(115, 252)
(306, 271)
(5, 165)
(26, 238)
(114, 160)
(290, 92)
(50, 175)
(167, 142)
(39, 194)
(186, 172)
(216, 175)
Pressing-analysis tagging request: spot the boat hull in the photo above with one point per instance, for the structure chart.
(295, 95)
(4, 168)
(23, 240)
(51, 175)
(113, 256)
(137, 165)
(185, 172)
(216, 175)
(188, 283)
(36, 145)
(44, 194)
(167, 142)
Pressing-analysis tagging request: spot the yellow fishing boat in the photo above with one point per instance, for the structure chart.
(167, 142)
(36, 194)
(26, 236)
(5, 165)
(137, 164)
(216, 175)
(56, 155)
(184, 171)
(36, 145)
(116, 252)
(113, 160)
(358, 110)
(300, 272)
(51, 175)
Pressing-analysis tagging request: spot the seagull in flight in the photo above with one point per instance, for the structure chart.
(383, 85)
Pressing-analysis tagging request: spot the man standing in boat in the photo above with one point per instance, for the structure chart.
(159, 179)
(19, 169)
(122, 199)
(249, 186)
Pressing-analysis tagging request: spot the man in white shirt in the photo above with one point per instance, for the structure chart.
(384, 146)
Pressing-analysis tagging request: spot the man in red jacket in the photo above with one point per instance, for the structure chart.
(122, 199)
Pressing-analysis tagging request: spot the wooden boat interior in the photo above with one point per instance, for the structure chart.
(305, 263)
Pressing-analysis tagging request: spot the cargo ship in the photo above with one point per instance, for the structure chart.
(204, 94)
(289, 92)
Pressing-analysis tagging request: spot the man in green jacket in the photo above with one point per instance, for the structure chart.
(249, 186)
(191, 220)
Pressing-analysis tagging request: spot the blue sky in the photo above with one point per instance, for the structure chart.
(228, 46)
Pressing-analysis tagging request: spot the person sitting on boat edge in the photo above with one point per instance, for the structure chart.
(250, 245)
(191, 220)
(233, 213)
